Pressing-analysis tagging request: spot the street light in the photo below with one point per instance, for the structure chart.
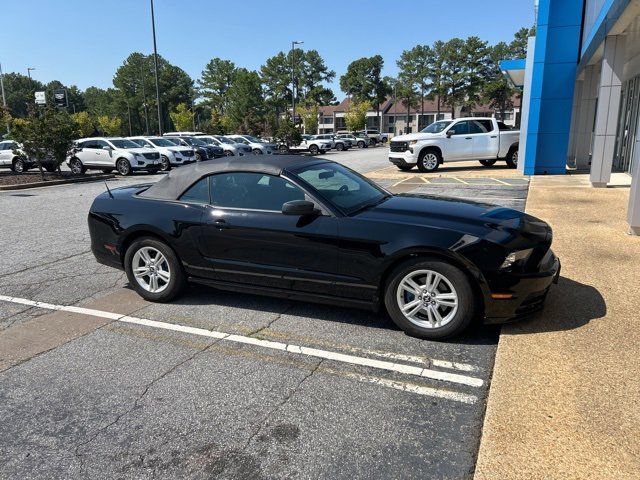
(293, 82)
(29, 70)
(155, 62)
(4, 96)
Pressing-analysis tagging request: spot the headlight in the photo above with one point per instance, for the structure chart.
(413, 142)
(516, 258)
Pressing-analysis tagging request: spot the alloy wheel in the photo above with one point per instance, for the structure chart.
(427, 299)
(514, 158)
(430, 161)
(18, 166)
(123, 167)
(151, 269)
(164, 163)
(76, 167)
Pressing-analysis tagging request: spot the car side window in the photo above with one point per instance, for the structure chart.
(486, 124)
(460, 128)
(100, 143)
(477, 127)
(254, 191)
(198, 192)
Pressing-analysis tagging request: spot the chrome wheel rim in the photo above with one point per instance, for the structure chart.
(165, 163)
(76, 167)
(257, 151)
(19, 166)
(430, 161)
(427, 299)
(514, 157)
(123, 168)
(151, 269)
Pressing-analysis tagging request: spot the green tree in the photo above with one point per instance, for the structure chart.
(355, 117)
(518, 46)
(110, 126)
(19, 91)
(276, 77)
(417, 67)
(215, 81)
(245, 103)
(408, 95)
(313, 74)
(497, 91)
(309, 117)
(288, 134)
(84, 123)
(363, 82)
(182, 117)
(45, 134)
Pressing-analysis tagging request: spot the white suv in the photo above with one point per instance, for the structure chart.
(258, 147)
(170, 154)
(108, 154)
(230, 149)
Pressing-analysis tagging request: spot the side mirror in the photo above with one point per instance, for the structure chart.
(106, 147)
(449, 133)
(299, 208)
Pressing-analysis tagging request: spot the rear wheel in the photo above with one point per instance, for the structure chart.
(429, 298)
(512, 158)
(165, 164)
(429, 161)
(313, 149)
(76, 166)
(283, 149)
(228, 153)
(340, 146)
(257, 151)
(360, 144)
(154, 270)
(123, 166)
(18, 165)
(487, 163)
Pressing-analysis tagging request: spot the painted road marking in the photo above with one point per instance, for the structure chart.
(291, 348)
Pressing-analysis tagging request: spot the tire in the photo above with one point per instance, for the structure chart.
(162, 290)
(429, 160)
(18, 165)
(487, 163)
(283, 149)
(512, 158)
(165, 164)
(451, 285)
(339, 147)
(360, 144)
(404, 168)
(228, 153)
(107, 170)
(257, 151)
(198, 157)
(51, 168)
(313, 149)
(123, 166)
(76, 166)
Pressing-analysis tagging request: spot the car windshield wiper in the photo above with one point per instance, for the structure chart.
(370, 205)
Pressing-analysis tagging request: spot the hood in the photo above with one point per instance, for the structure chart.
(479, 219)
(140, 150)
(414, 136)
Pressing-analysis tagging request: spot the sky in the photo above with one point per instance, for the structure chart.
(83, 42)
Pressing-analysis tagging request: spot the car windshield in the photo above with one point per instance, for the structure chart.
(174, 141)
(194, 141)
(226, 140)
(436, 127)
(340, 186)
(122, 143)
(253, 139)
(210, 140)
(140, 142)
(162, 142)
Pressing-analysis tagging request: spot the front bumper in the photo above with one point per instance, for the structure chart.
(403, 159)
(529, 292)
(144, 164)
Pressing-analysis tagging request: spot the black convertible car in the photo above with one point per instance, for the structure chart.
(312, 229)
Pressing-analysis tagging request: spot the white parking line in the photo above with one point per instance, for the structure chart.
(297, 349)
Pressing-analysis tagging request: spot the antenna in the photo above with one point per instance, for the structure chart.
(108, 190)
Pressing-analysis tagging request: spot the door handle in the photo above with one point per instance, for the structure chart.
(221, 224)
(468, 138)
(494, 136)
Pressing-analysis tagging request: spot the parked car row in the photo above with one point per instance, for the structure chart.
(12, 156)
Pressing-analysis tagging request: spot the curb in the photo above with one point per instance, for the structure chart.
(48, 183)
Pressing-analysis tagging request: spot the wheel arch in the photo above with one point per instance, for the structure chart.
(140, 232)
(475, 277)
(434, 148)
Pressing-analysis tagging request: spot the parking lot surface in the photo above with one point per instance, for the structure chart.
(220, 384)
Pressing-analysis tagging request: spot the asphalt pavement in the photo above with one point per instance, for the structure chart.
(96, 383)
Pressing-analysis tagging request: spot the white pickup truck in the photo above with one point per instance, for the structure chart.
(472, 138)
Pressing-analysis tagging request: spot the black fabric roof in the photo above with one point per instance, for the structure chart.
(179, 179)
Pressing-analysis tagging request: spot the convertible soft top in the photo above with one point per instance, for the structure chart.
(178, 180)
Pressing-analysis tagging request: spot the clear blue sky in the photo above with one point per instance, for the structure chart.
(82, 42)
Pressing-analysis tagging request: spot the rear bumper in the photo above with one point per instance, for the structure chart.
(529, 292)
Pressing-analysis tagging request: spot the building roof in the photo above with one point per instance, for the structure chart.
(178, 180)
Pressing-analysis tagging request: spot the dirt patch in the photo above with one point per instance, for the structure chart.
(10, 179)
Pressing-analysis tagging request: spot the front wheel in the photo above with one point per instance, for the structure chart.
(429, 161)
(339, 147)
(360, 144)
(313, 150)
(76, 166)
(18, 166)
(487, 163)
(154, 270)
(257, 151)
(123, 166)
(228, 153)
(512, 158)
(430, 299)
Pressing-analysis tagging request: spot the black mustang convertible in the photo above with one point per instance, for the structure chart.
(314, 230)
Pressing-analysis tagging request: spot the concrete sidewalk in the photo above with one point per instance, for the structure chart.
(564, 399)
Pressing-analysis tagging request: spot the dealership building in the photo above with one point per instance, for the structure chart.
(581, 97)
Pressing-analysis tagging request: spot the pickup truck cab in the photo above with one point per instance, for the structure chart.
(472, 138)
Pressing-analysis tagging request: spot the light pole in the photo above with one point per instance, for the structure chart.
(29, 70)
(155, 62)
(293, 81)
(4, 96)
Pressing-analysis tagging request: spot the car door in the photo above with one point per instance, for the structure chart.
(87, 152)
(458, 143)
(104, 158)
(485, 139)
(5, 153)
(247, 239)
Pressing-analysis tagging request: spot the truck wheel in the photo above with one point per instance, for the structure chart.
(487, 163)
(512, 158)
(429, 160)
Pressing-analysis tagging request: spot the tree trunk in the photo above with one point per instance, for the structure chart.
(408, 115)
(421, 107)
